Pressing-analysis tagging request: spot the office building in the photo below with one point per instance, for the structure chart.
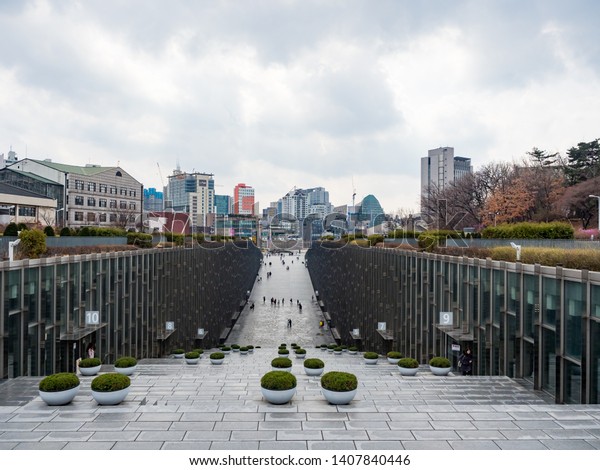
(243, 199)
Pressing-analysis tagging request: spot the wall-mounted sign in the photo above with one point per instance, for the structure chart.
(456, 347)
(382, 326)
(200, 331)
(355, 331)
(446, 318)
(92, 318)
(170, 326)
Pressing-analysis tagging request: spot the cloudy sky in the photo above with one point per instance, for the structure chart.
(303, 93)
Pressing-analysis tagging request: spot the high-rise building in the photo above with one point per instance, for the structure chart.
(223, 204)
(153, 200)
(440, 168)
(192, 193)
(243, 199)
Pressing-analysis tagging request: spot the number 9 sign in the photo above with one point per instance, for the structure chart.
(446, 318)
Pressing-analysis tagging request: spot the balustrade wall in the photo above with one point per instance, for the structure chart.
(49, 305)
(532, 322)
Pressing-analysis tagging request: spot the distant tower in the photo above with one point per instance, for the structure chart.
(440, 168)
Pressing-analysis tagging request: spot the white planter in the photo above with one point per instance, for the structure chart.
(226, 352)
(89, 370)
(243, 353)
(282, 369)
(300, 356)
(440, 370)
(235, 350)
(353, 353)
(125, 370)
(192, 361)
(283, 355)
(179, 356)
(217, 361)
(409, 371)
(64, 397)
(278, 397)
(391, 360)
(371, 361)
(337, 353)
(338, 398)
(110, 398)
(314, 372)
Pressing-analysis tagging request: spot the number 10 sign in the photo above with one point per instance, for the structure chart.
(446, 318)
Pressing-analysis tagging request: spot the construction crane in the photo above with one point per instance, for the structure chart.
(161, 177)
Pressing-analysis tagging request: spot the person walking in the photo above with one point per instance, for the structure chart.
(465, 362)
(289, 324)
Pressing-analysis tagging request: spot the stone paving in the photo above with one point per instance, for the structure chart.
(176, 406)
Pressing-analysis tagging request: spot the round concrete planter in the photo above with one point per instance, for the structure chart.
(110, 398)
(192, 361)
(278, 397)
(313, 372)
(371, 361)
(89, 370)
(125, 370)
(408, 371)
(283, 369)
(179, 356)
(440, 370)
(393, 360)
(217, 361)
(338, 398)
(64, 397)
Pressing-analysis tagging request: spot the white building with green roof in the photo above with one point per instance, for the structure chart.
(89, 195)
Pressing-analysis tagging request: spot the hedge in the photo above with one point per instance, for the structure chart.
(571, 259)
(143, 240)
(530, 230)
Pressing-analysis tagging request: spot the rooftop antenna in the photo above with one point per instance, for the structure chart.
(353, 192)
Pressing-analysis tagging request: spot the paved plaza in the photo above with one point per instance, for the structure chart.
(184, 407)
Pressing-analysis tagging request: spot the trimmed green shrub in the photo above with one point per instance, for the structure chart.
(283, 351)
(89, 362)
(314, 363)
(33, 243)
(49, 231)
(11, 230)
(281, 362)
(199, 351)
(440, 362)
(375, 239)
(300, 351)
(408, 363)
(244, 349)
(530, 230)
(278, 380)
(143, 240)
(352, 348)
(65, 232)
(217, 355)
(59, 382)
(338, 349)
(339, 381)
(126, 361)
(371, 355)
(394, 355)
(250, 347)
(235, 346)
(110, 382)
(178, 351)
(192, 355)
(572, 259)
(225, 348)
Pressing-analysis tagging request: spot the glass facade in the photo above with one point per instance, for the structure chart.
(49, 305)
(538, 323)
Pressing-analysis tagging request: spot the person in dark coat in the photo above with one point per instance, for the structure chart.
(466, 362)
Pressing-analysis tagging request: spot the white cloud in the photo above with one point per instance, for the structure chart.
(283, 94)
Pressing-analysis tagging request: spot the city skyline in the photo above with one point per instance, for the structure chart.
(346, 97)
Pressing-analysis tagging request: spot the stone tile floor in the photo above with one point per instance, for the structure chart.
(177, 406)
(181, 407)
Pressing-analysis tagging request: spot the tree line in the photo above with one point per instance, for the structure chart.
(543, 187)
